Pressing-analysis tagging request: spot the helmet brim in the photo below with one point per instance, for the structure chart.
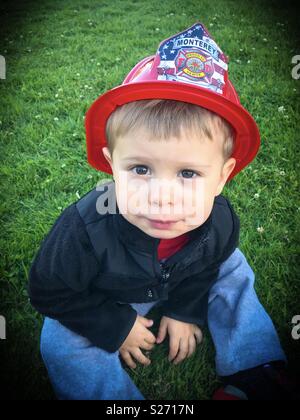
(247, 137)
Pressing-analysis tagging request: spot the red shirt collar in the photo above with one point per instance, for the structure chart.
(168, 247)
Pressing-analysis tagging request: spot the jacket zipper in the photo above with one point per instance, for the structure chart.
(164, 273)
(164, 276)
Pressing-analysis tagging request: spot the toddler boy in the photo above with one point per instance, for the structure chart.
(160, 233)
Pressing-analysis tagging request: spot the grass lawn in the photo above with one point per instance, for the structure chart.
(61, 55)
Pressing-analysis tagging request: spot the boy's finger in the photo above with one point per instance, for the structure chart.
(146, 322)
(140, 357)
(128, 360)
(192, 346)
(199, 336)
(174, 347)
(147, 346)
(149, 337)
(162, 333)
(183, 352)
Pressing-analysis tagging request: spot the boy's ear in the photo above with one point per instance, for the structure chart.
(107, 155)
(228, 167)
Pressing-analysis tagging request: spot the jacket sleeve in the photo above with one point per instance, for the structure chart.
(61, 286)
(188, 301)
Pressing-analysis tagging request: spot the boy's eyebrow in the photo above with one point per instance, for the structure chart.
(135, 158)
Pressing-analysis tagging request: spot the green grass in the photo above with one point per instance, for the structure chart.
(60, 56)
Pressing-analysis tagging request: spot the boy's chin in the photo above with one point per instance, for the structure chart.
(164, 235)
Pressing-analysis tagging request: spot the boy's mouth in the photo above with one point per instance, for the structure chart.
(163, 224)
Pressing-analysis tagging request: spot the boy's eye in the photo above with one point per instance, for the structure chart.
(139, 169)
(189, 173)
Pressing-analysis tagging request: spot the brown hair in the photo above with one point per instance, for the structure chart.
(165, 118)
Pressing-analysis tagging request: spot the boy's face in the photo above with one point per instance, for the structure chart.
(174, 180)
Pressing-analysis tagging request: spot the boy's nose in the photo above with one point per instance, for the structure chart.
(166, 199)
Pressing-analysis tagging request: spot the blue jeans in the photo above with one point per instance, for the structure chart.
(243, 335)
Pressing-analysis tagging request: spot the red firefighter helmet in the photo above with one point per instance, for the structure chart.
(188, 67)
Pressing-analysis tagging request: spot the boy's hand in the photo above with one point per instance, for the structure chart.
(139, 337)
(184, 338)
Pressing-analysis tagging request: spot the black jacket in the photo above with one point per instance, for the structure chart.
(90, 266)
